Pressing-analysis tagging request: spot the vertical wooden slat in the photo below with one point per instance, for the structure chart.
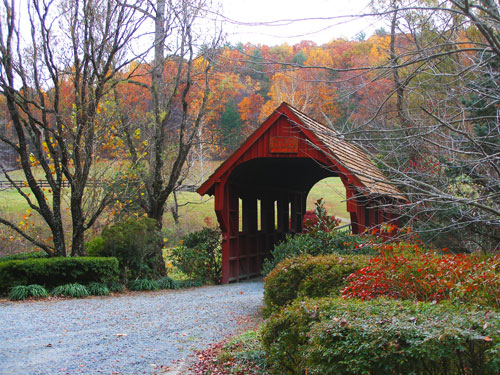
(233, 208)
(360, 214)
(222, 212)
(283, 212)
(354, 223)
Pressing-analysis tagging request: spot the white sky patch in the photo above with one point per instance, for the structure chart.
(254, 21)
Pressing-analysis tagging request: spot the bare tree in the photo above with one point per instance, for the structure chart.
(56, 65)
(179, 87)
(443, 144)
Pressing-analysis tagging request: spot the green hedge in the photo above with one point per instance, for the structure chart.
(22, 256)
(380, 337)
(51, 272)
(320, 243)
(308, 276)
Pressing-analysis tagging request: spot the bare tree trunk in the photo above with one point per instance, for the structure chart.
(174, 208)
(38, 78)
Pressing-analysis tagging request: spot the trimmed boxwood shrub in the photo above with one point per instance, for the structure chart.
(380, 337)
(51, 272)
(308, 276)
(320, 243)
(21, 256)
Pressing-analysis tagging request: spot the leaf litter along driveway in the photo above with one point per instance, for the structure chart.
(138, 333)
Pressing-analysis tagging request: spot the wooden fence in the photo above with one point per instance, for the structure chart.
(5, 184)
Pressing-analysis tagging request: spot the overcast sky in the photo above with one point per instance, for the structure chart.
(250, 14)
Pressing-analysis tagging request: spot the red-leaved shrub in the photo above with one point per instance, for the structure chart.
(405, 271)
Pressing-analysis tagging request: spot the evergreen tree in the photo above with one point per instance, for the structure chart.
(231, 132)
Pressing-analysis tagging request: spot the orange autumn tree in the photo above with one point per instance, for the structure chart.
(249, 109)
(306, 89)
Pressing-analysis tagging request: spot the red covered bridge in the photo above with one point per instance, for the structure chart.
(270, 176)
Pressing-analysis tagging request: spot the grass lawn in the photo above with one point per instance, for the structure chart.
(195, 211)
(332, 190)
(12, 203)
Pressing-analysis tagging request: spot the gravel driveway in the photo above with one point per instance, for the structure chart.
(127, 334)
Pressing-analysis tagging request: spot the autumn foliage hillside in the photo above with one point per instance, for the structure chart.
(247, 85)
